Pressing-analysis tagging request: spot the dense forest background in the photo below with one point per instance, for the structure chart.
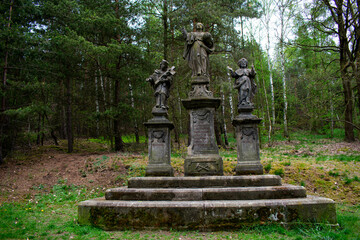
(76, 68)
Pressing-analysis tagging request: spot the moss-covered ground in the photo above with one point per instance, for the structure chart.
(326, 167)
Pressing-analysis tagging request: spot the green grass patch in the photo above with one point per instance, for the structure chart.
(340, 157)
(52, 218)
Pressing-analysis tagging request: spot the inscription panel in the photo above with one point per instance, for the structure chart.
(202, 132)
(159, 151)
(248, 150)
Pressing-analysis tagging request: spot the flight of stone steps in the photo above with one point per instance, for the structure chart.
(205, 203)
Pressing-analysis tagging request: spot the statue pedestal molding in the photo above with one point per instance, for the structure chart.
(203, 157)
(247, 138)
(159, 129)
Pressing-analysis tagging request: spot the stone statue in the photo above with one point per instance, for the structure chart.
(244, 82)
(198, 46)
(161, 80)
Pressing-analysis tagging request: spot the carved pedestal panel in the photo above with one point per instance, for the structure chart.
(203, 155)
(159, 147)
(247, 138)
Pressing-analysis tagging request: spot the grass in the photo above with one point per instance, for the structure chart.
(53, 215)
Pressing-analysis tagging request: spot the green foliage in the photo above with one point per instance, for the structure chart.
(279, 171)
(267, 167)
(340, 157)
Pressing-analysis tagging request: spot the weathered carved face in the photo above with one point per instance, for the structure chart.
(199, 27)
(242, 63)
(163, 65)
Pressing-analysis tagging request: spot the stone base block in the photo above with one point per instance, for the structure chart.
(203, 165)
(204, 215)
(159, 170)
(204, 181)
(198, 194)
(249, 169)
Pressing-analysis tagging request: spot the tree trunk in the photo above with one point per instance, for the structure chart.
(217, 132)
(119, 144)
(165, 26)
(97, 107)
(133, 106)
(69, 131)
(267, 113)
(223, 116)
(282, 8)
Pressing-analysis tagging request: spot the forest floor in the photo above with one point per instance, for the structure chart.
(325, 167)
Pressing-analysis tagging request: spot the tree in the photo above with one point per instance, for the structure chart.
(343, 21)
(286, 12)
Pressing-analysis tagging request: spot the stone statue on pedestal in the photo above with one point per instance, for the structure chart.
(159, 126)
(203, 157)
(161, 80)
(246, 124)
(244, 82)
(198, 46)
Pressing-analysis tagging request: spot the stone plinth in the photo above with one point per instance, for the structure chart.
(159, 129)
(247, 138)
(203, 157)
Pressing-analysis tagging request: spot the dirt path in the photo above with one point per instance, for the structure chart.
(23, 179)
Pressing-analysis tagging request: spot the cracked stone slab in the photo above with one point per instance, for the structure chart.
(204, 181)
(204, 215)
(197, 194)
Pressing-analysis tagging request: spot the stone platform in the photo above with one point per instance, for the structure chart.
(204, 203)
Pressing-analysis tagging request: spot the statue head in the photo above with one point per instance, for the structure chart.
(242, 63)
(199, 27)
(164, 65)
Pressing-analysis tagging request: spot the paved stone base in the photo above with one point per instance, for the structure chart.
(204, 181)
(198, 194)
(204, 215)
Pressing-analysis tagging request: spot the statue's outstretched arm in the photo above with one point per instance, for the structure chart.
(184, 32)
(252, 73)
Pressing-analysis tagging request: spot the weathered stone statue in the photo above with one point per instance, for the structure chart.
(244, 83)
(159, 126)
(161, 80)
(198, 46)
(203, 157)
(247, 135)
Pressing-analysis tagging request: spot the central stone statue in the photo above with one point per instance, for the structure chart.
(203, 157)
(198, 46)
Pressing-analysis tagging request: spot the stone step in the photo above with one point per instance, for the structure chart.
(198, 194)
(205, 181)
(204, 215)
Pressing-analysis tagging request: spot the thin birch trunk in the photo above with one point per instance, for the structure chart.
(97, 105)
(283, 4)
(133, 106)
(223, 115)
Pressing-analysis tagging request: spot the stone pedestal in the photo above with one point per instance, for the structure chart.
(247, 138)
(159, 129)
(203, 155)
